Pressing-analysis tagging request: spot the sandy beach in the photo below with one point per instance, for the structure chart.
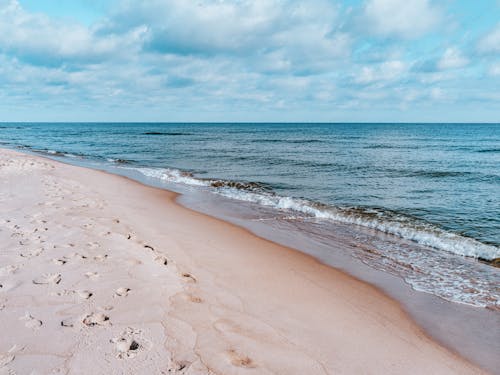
(102, 275)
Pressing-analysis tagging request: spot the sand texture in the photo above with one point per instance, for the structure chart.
(102, 275)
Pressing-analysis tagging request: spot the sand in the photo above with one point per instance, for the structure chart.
(102, 275)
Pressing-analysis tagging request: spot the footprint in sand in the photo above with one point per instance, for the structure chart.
(31, 322)
(17, 234)
(69, 322)
(83, 294)
(189, 277)
(48, 278)
(8, 285)
(240, 360)
(181, 365)
(7, 371)
(7, 270)
(162, 260)
(5, 359)
(128, 344)
(100, 257)
(122, 292)
(60, 261)
(92, 275)
(195, 299)
(31, 254)
(78, 256)
(95, 319)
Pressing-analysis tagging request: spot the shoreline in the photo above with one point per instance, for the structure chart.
(240, 320)
(462, 328)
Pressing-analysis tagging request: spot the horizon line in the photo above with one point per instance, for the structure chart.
(252, 122)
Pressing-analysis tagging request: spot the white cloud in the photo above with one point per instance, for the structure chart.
(494, 69)
(218, 56)
(39, 39)
(403, 19)
(277, 35)
(490, 43)
(452, 59)
(439, 94)
(387, 71)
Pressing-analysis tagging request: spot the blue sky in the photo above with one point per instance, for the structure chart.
(241, 60)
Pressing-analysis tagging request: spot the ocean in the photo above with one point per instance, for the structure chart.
(417, 201)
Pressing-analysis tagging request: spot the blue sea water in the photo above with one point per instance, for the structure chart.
(434, 187)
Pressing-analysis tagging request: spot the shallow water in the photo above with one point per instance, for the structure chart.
(419, 201)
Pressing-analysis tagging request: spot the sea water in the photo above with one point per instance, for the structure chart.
(419, 201)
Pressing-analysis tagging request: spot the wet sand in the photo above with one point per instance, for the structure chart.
(470, 331)
(100, 274)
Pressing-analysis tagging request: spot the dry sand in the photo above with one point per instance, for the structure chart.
(102, 275)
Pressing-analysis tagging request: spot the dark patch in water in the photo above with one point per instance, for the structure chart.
(299, 141)
(294, 162)
(248, 186)
(378, 147)
(489, 150)
(120, 161)
(436, 174)
(165, 133)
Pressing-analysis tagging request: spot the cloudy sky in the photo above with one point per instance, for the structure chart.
(244, 60)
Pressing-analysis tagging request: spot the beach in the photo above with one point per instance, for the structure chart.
(101, 274)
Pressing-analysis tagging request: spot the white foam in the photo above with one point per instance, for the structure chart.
(424, 234)
(172, 175)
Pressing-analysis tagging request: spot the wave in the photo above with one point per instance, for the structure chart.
(430, 174)
(172, 175)
(51, 152)
(119, 161)
(73, 155)
(422, 233)
(299, 141)
(437, 174)
(489, 150)
(58, 153)
(166, 133)
(24, 147)
(378, 219)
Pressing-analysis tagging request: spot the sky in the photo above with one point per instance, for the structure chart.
(250, 61)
